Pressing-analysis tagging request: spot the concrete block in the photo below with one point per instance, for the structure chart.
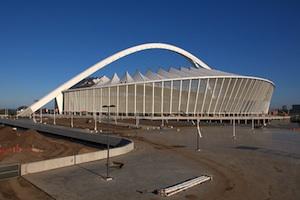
(39, 166)
(34, 167)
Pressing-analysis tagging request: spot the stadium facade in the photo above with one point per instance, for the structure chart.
(186, 91)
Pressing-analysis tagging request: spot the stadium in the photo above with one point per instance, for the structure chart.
(188, 92)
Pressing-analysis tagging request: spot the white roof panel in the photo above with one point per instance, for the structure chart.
(138, 76)
(102, 81)
(126, 78)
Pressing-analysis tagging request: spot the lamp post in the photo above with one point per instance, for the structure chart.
(108, 178)
(199, 135)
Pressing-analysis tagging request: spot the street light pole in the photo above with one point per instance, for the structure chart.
(199, 135)
(108, 178)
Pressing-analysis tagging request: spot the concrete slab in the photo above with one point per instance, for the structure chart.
(145, 170)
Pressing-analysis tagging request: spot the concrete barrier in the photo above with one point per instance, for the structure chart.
(88, 157)
(39, 166)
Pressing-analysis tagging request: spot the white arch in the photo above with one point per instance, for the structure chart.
(57, 93)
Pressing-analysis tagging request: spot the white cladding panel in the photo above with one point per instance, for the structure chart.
(190, 97)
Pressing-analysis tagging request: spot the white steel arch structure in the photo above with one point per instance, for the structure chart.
(58, 95)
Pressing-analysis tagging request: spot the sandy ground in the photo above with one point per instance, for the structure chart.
(260, 164)
(28, 145)
(86, 123)
(20, 189)
(285, 124)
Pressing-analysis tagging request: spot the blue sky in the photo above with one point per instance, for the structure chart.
(45, 43)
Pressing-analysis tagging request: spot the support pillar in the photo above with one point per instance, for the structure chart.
(95, 120)
(233, 129)
(33, 116)
(162, 122)
(54, 120)
(72, 124)
(41, 115)
(137, 121)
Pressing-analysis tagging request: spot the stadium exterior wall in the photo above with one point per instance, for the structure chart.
(186, 96)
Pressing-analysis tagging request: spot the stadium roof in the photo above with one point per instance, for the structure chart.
(161, 74)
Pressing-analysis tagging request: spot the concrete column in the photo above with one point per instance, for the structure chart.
(95, 120)
(233, 130)
(72, 124)
(137, 121)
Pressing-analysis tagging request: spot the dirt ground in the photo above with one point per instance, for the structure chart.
(20, 189)
(85, 123)
(28, 145)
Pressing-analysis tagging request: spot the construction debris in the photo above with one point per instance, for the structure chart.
(117, 165)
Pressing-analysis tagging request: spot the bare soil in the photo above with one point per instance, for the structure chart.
(28, 145)
(87, 123)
